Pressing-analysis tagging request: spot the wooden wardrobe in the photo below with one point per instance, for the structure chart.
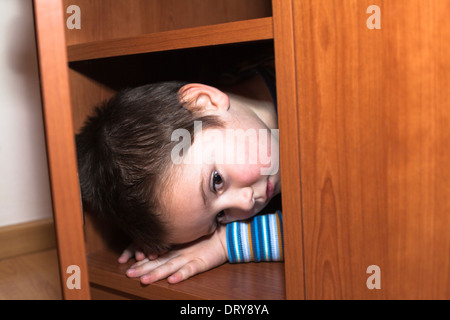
(364, 117)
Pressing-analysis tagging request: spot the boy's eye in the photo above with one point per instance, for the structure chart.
(216, 181)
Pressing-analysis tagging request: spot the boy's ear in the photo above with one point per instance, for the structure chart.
(198, 97)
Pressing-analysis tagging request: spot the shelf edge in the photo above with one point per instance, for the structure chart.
(262, 281)
(225, 33)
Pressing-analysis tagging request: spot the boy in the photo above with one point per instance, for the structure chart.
(165, 197)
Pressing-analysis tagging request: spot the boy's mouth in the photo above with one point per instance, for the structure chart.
(269, 191)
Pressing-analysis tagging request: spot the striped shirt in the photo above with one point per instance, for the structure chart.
(257, 239)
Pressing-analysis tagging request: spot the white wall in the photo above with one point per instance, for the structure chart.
(24, 180)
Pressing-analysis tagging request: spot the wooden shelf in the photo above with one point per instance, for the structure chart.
(247, 281)
(226, 33)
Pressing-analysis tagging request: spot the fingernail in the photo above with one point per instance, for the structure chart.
(130, 271)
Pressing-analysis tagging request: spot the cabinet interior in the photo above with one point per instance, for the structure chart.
(94, 80)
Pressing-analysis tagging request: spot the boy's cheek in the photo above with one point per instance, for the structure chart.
(247, 173)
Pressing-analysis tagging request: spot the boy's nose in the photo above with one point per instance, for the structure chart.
(245, 199)
(241, 205)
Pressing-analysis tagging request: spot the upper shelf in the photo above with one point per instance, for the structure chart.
(225, 33)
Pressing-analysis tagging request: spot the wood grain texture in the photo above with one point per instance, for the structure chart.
(26, 238)
(112, 19)
(288, 120)
(243, 282)
(60, 142)
(30, 277)
(364, 130)
(246, 281)
(374, 133)
(232, 32)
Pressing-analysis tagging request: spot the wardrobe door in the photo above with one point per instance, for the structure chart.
(373, 85)
(61, 148)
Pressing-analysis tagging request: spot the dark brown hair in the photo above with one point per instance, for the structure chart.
(123, 153)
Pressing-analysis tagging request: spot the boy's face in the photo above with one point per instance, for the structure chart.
(223, 177)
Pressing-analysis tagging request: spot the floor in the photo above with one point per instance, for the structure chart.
(30, 277)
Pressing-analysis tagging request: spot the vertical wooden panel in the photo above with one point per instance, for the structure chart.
(60, 143)
(289, 147)
(374, 133)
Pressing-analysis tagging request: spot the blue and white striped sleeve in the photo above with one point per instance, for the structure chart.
(257, 239)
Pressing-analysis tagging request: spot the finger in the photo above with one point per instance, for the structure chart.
(138, 263)
(152, 256)
(191, 269)
(163, 252)
(126, 255)
(160, 272)
(139, 255)
(145, 266)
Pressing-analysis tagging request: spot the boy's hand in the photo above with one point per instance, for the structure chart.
(139, 255)
(130, 252)
(183, 263)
